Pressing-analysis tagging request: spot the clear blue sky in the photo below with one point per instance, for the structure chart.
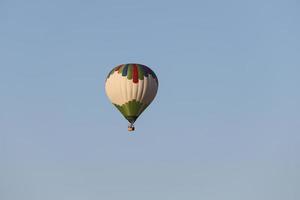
(225, 123)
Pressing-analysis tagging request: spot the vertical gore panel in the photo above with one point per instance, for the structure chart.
(135, 74)
(121, 69)
(129, 72)
(146, 71)
(141, 72)
(124, 72)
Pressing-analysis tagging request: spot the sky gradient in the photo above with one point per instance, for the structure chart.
(225, 123)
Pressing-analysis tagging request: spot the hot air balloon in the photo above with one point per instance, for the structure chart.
(131, 88)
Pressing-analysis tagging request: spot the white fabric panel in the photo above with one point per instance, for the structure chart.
(140, 89)
(135, 88)
(112, 88)
(123, 83)
(120, 90)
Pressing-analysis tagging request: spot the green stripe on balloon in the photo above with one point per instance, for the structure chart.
(141, 72)
(129, 72)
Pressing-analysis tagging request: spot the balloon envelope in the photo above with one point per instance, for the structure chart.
(131, 88)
